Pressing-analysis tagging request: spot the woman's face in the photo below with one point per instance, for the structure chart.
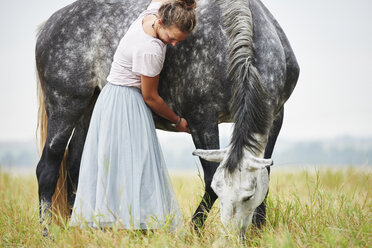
(171, 35)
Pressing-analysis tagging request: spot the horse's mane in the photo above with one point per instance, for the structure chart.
(250, 105)
(40, 28)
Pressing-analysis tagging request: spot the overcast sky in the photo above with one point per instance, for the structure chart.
(332, 40)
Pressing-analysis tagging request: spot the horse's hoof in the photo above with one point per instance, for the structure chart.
(45, 232)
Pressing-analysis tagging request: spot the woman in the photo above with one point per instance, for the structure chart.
(123, 180)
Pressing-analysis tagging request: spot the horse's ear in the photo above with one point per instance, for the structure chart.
(259, 163)
(211, 155)
(266, 162)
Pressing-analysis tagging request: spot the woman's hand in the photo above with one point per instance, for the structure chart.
(183, 126)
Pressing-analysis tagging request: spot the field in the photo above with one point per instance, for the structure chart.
(306, 208)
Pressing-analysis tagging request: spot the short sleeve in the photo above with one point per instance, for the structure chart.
(154, 6)
(147, 63)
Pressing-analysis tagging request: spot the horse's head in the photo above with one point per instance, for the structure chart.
(240, 191)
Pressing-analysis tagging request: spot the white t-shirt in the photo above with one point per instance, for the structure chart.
(137, 54)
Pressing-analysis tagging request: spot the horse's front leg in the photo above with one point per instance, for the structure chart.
(259, 217)
(204, 131)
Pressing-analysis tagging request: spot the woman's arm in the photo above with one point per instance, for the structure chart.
(156, 103)
(162, 1)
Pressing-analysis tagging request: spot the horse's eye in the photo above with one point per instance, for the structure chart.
(217, 187)
(247, 198)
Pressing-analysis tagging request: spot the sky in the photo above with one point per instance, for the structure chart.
(331, 39)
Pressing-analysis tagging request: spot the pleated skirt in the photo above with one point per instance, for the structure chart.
(123, 179)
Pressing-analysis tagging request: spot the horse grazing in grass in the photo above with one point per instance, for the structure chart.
(237, 66)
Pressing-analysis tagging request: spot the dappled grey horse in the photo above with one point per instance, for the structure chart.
(237, 66)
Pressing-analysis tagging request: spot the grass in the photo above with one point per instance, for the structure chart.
(306, 208)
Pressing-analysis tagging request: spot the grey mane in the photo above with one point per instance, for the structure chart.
(250, 105)
(39, 29)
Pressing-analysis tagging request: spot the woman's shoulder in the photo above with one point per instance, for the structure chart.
(158, 1)
(154, 6)
(153, 46)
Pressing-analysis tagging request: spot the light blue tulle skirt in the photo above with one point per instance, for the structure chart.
(123, 179)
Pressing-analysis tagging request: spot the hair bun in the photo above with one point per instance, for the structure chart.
(190, 4)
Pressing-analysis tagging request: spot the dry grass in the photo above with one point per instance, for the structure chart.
(326, 208)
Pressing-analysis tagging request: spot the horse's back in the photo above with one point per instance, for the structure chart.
(75, 49)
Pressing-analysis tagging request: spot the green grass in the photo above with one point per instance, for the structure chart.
(326, 208)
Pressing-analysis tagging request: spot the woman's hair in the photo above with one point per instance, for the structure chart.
(180, 13)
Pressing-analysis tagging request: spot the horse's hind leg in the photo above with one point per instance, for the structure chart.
(47, 171)
(61, 121)
(259, 217)
(75, 150)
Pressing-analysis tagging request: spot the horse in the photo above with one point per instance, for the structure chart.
(237, 66)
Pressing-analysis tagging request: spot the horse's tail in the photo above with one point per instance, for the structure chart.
(59, 199)
(250, 106)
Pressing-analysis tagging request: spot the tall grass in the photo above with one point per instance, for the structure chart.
(306, 208)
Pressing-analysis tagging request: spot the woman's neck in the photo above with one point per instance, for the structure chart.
(150, 26)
